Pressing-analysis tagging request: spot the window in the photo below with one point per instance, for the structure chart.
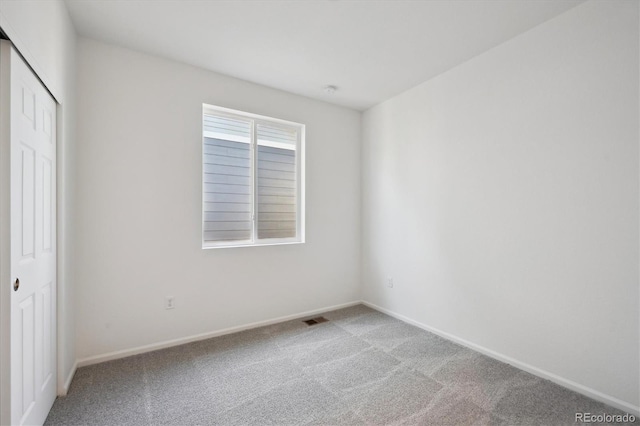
(252, 179)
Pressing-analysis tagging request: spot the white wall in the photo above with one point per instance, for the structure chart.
(139, 207)
(44, 35)
(502, 197)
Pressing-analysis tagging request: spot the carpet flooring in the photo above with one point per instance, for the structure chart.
(360, 367)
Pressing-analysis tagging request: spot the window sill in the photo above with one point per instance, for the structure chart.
(208, 246)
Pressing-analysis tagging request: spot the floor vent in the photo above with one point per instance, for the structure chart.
(314, 321)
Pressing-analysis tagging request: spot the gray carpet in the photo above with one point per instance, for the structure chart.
(361, 367)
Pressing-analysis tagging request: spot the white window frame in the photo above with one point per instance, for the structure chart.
(300, 175)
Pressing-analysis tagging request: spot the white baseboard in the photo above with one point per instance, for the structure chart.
(181, 341)
(569, 384)
(67, 382)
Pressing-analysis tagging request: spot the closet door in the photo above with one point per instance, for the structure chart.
(32, 146)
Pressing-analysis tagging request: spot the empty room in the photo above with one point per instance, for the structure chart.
(319, 212)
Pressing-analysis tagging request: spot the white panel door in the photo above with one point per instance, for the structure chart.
(33, 245)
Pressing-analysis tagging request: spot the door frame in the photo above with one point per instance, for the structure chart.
(5, 236)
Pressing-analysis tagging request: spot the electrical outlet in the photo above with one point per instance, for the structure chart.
(390, 282)
(169, 302)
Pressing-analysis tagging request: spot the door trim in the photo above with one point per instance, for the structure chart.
(5, 232)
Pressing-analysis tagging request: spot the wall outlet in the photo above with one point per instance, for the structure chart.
(390, 282)
(169, 302)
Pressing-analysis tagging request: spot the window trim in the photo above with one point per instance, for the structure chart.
(257, 119)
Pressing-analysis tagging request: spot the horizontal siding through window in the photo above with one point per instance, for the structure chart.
(225, 235)
(227, 179)
(211, 150)
(270, 190)
(226, 188)
(272, 165)
(281, 135)
(277, 199)
(227, 128)
(227, 217)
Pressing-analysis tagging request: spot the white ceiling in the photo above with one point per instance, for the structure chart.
(370, 50)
